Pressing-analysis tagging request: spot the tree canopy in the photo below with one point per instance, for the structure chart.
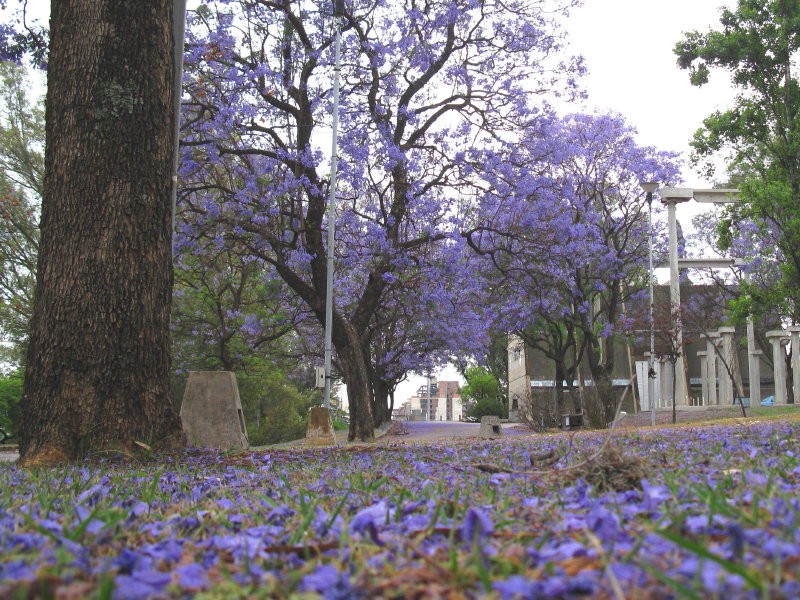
(760, 133)
(422, 86)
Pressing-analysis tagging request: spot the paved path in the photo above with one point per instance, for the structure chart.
(427, 431)
(8, 454)
(413, 432)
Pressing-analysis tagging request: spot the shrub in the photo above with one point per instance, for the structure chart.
(10, 396)
(488, 407)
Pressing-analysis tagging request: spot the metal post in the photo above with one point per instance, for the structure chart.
(429, 396)
(651, 370)
(337, 14)
(649, 187)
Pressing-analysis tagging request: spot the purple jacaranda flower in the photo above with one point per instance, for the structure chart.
(323, 524)
(476, 526)
(141, 585)
(166, 550)
(632, 574)
(192, 576)
(125, 561)
(327, 580)
(279, 514)
(580, 586)
(140, 508)
(17, 570)
(737, 541)
(654, 495)
(94, 493)
(368, 520)
(517, 587)
(714, 578)
(754, 479)
(603, 523)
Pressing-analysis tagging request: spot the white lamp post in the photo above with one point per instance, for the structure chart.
(649, 187)
(338, 14)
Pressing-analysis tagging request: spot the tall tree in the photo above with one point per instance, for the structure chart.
(21, 175)
(567, 238)
(756, 44)
(98, 362)
(422, 83)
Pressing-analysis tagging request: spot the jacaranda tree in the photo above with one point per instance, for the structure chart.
(564, 233)
(421, 85)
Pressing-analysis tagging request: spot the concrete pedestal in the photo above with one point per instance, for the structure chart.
(320, 428)
(490, 427)
(211, 411)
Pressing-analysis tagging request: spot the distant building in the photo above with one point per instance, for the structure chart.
(531, 374)
(445, 403)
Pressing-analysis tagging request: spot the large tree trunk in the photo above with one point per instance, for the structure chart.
(355, 373)
(381, 412)
(97, 374)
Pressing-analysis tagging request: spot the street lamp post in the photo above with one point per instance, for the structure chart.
(429, 395)
(338, 13)
(649, 187)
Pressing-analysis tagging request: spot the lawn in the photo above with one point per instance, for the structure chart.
(691, 511)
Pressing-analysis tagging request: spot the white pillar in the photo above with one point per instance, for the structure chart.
(711, 368)
(754, 364)
(666, 396)
(794, 332)
(701, 356)
(776, 337)
(727, 366)
(671, 197)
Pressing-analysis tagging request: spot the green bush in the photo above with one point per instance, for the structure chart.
(275, 409)
(279, 423)
(10, 396)
(484, 408)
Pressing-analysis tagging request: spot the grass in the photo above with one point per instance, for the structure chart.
(691, 511)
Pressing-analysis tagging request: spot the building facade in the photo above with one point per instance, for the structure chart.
(719, 363)
(443, 403)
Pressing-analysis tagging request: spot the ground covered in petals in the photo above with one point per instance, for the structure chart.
(701, 511)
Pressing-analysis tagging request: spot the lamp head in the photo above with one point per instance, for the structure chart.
(649, 186)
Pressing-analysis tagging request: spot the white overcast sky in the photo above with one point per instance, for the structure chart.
(627, 45)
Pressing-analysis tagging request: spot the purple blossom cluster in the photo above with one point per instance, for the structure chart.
(716, 514)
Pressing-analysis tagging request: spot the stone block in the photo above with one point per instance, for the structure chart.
(211, 411)
(490, 427)
(320, 428)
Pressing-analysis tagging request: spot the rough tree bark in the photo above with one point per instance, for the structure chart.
(97, 374)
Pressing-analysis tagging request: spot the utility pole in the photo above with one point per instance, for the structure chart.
(338, 13)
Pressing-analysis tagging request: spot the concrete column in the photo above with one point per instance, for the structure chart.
(726, 367)
(776, 337)
(671, 197)
(794, 332)
(666, 396)
(701, 356)
(711, 368)
(754, 364)
(658, 396)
